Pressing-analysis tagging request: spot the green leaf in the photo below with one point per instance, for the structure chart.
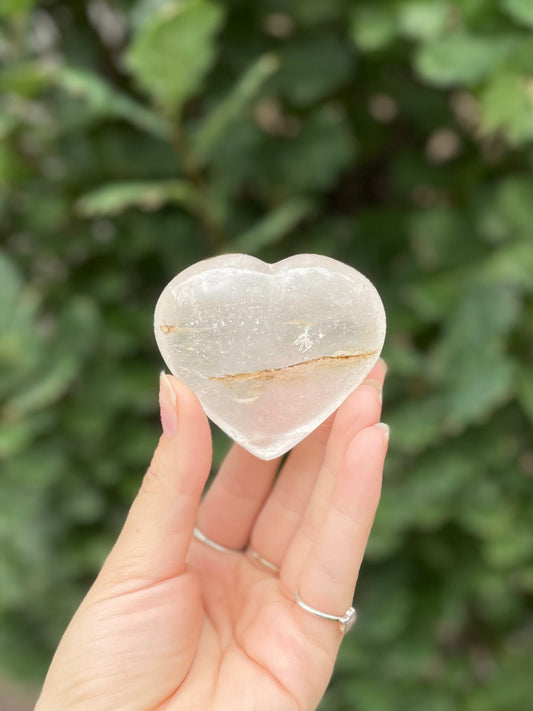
(114, 198)
(46, 390)
(313, 67)
(507, 687)
(313, 159)
(142, 12)
(513, 202)
(373, 26)
(511, 266)
(469, 362)
(478, 386)
(503, 212)
(506, 106)
(440, 238)
(461, 58)
(174, 50)
(17, 324)
(417, 423)
(87, 505)
(75, 335)
(272, 228)
(431, 298)
(8, 123)
(519, 10)
(10, 286)
(16, 436)
(217, 123)
(15, 7)
(25, 79)
(435, 481)
(313, 12)
(105, 100)
(77, 329)
(524, 390)
(507, 553)
(485, 315)
(424, 19)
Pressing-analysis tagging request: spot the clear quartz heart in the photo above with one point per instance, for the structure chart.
(271, 350)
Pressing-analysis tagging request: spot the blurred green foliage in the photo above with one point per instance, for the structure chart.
(139, 137)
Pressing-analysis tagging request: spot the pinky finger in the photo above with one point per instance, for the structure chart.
(328, 579)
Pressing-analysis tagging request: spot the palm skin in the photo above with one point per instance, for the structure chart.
(172, 624)
(233, 642)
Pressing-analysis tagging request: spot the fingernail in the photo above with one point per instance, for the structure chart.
(384, 364)
(386, 430)
(376, 385)
(168, 406)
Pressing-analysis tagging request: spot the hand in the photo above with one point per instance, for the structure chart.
(170, 623)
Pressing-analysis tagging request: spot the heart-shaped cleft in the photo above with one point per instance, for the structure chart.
(271, 350)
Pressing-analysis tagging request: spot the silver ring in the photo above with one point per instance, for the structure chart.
(345, 621)
(213, 544)
(263, 561)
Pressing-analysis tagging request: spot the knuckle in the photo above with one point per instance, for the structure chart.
(308, 530)
(152, 480)
(240, 488)
(333, 578)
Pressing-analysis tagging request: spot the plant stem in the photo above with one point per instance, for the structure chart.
(194, 173)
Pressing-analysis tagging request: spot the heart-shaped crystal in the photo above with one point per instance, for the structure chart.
(270, 349)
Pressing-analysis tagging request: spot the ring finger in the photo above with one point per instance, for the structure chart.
(299, 491)
(327, 580)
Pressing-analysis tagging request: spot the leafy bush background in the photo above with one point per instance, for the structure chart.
(139, 137)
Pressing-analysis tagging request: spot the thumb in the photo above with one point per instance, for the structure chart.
(154, 541)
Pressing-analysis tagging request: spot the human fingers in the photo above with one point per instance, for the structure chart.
(327, 580)
(153, 543)
(234, 499)
(240, 489)
(282, 515)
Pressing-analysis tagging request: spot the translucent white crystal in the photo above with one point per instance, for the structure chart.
(270, 349)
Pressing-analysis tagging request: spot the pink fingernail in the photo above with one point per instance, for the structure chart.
(384, 364)
(168, 406)
(376, 385)
(386, 430)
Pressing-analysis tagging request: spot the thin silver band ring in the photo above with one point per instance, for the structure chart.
(345, 621)
(263, 561)
(200, 536)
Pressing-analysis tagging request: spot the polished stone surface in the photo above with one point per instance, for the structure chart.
(270, 350)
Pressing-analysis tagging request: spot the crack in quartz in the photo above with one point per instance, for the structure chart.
(166, 329)
(293, 368)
